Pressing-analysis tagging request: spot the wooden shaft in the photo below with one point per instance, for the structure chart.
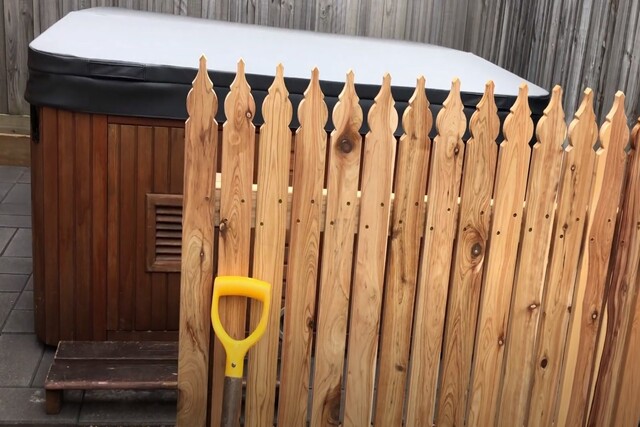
(231, 402)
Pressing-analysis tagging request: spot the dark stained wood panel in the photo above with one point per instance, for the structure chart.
(98, 277)
(113, 225)
(144, 183)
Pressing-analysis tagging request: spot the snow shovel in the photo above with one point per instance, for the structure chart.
(237, 349)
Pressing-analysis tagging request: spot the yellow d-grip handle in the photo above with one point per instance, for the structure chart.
(241, 287)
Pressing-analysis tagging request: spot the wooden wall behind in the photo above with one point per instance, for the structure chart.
(575, 43)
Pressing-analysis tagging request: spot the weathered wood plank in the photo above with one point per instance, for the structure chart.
(4, 108)
(508, 195)
(573, 197)
(113, 225)
(605, 196)
(479, 170)
(268, 253)
(201, 142)
(15, 149)
(18, 32)
(337, 256)
(412, 170)
(378, 160)
(234, 241)
(433, 281)
(304, 252)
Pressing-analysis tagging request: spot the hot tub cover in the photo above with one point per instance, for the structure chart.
(133, 63)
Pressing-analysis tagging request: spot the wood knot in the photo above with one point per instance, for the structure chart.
(248, 114)
(543, 363)
(224, 225)
(476, 250)
(310, 323)
(399, 367)
(346, 146)
(594, 315)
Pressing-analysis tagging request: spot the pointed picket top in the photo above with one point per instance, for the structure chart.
(552, 128)
(312, 111)
(382, 109)
(451, 107)
(485, 118)
(202, 88)
(238, 99)
(520, 114)
(615, 130)
(347, 114)
(584, 129)
(417, 116)
(277, 101)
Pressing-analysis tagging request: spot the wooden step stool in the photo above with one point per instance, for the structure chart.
(107, 365)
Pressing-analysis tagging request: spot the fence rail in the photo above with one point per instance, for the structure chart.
(510, 298)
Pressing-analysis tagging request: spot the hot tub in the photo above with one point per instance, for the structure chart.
(107, 88)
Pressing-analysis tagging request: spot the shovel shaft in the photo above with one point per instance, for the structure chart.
(231, 402)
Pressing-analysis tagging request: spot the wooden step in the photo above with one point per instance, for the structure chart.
(109, 365)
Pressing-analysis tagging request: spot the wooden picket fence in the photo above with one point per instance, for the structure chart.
(447, 282)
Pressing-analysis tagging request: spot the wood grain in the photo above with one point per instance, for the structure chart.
(573, 197)
(201, 142)
(378, 160)
(412, 169)
(337, 256)
(144, 182)
(127, 227)
(620, 299)
(38, 242)
(433, 280)
(234, 250)
(113, 225)
(479, 170)
(304, 252)
(508, 195)
(544, 173)
(605, 197)
(268, 255)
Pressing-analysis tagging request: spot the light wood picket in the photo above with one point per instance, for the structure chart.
(479, 170)
(573, 197)
(412, 170)
(509, 192)
(337, 256)
(234, 243)
(542, 183)
(378, 159)
(505, 295)
(304, 251)
(431, 299)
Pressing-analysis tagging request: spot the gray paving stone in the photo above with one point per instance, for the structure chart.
(43, 367)
(20, 321)
(20, 193)
(11, 173)
(15, 209)
(15, 265)
(4, 189)
(20, 244)
(5, 237)
(13, 282)
(25, 301)
(7, 301)
(128, 407)
(25, 177)
(29, 285)
(25, 406)
(20, 355)
(18, 221)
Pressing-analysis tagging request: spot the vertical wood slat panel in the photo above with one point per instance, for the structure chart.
(481, 154)
(201, 142)
(573, 197)
(99, 166)
(176, 143)
(378, 161)
(337, 256)
(144, 177)
(268, 256)
(238, 145)
(412, 170)
(544, 174)
(433, 280)
(83, 146)
(587, 313)
(159, 294)
(620, 299)
(38, 230)
(49, 142)
(66, 222)
(4, 88)
(304, 252)
(113, 225)
(18, 32)
(508, 195)
(127, 227)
